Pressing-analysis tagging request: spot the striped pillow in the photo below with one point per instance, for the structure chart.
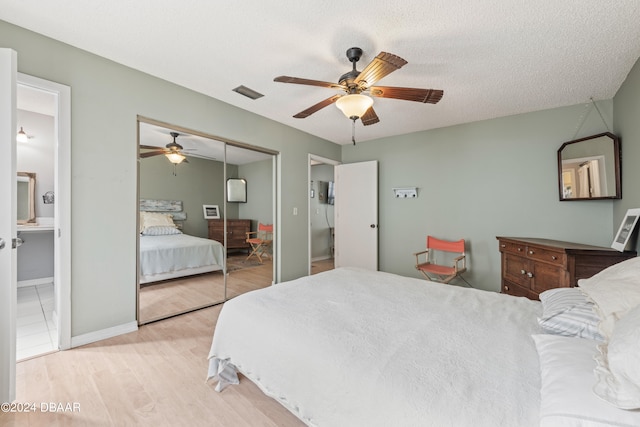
(568, 312)
(160, 230)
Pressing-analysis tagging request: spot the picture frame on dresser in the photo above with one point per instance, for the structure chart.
(626, 229)
(211, 211)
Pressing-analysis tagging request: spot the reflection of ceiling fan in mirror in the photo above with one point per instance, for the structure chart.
(173, 151)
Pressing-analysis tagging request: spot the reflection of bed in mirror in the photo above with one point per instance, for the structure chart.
(178, 255)
(168, 253)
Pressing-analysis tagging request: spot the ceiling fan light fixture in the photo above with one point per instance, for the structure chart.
(354, 105)
(22, 136)
(175, 158)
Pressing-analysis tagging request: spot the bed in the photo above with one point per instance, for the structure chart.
(361, 348)
(171, 256)
(167, 253)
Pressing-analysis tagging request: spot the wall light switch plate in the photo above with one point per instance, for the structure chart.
(405, 193)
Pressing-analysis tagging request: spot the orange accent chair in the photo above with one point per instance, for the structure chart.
(260, 241)
(446, 249)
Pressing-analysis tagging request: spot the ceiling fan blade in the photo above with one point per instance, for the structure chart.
(320, 105)
(431, 96)
(151, 153)
(308, 82)
(370, 117)
(151, 147)
(382, 65)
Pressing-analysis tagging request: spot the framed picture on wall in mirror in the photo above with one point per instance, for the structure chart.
(211, 211)
(626, 229)
(237, 190)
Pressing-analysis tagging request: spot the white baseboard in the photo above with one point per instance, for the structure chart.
(321, 258)
(34, 282)
(103, 334)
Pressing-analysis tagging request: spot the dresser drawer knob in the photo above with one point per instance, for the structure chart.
(519, 249)
(506, 288)
(553, 257)
(503, 245)
(523, 272)
(530, 275)
(530, 252)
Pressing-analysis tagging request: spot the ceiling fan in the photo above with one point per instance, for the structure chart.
(173, 151)
(355, 104)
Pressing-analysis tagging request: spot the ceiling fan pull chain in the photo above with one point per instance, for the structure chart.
(353, 131)
(174, 170)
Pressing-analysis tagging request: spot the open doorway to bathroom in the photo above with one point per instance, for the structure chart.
(43, 257)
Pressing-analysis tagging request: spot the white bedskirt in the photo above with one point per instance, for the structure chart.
(351, 347)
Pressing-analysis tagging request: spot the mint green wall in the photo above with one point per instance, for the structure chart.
(259, 206)
(106, 98)
(626, 107)
(481, 180)
(199, 182)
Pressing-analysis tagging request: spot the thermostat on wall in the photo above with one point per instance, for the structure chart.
(405, 193)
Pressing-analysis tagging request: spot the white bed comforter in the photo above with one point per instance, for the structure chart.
(175, 252)
(352, 347)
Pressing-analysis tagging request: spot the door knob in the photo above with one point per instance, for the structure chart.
(16, 242)
(1, 243)
(372, 226)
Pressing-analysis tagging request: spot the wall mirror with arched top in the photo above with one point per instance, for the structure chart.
(589, 168)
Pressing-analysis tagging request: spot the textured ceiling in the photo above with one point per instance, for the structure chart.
(492, 58)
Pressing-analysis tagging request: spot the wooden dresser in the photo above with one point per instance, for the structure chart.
(236, 232)
(531, 266)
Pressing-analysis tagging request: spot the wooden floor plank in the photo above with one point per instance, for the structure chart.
(152, 377)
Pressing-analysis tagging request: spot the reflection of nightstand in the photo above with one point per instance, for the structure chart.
(332, 248)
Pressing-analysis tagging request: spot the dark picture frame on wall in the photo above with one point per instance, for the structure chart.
(237, 190)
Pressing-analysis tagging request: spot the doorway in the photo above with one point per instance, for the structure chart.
(210, 224)
(43, 321)
(321, 208)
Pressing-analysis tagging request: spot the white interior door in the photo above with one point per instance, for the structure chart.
(8, 222)
(356, 209)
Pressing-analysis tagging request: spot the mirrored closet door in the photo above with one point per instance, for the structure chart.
(193, 249)
(249, 220)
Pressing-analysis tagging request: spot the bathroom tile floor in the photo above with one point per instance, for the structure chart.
(36, 330)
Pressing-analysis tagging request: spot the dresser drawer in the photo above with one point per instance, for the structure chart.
(542, 254)
(514, 248)
(517, 291)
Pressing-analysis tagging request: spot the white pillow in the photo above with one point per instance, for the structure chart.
(158, 230)
(566, 396)
(155, 219)
(615, 291)
(618, 371)
(568, 312)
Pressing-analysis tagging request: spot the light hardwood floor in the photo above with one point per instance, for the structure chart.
(152, 377)
(168, 298)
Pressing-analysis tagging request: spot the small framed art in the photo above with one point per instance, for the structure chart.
(211, 211)
(626, 229)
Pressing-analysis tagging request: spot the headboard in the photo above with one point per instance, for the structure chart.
(174, 207)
